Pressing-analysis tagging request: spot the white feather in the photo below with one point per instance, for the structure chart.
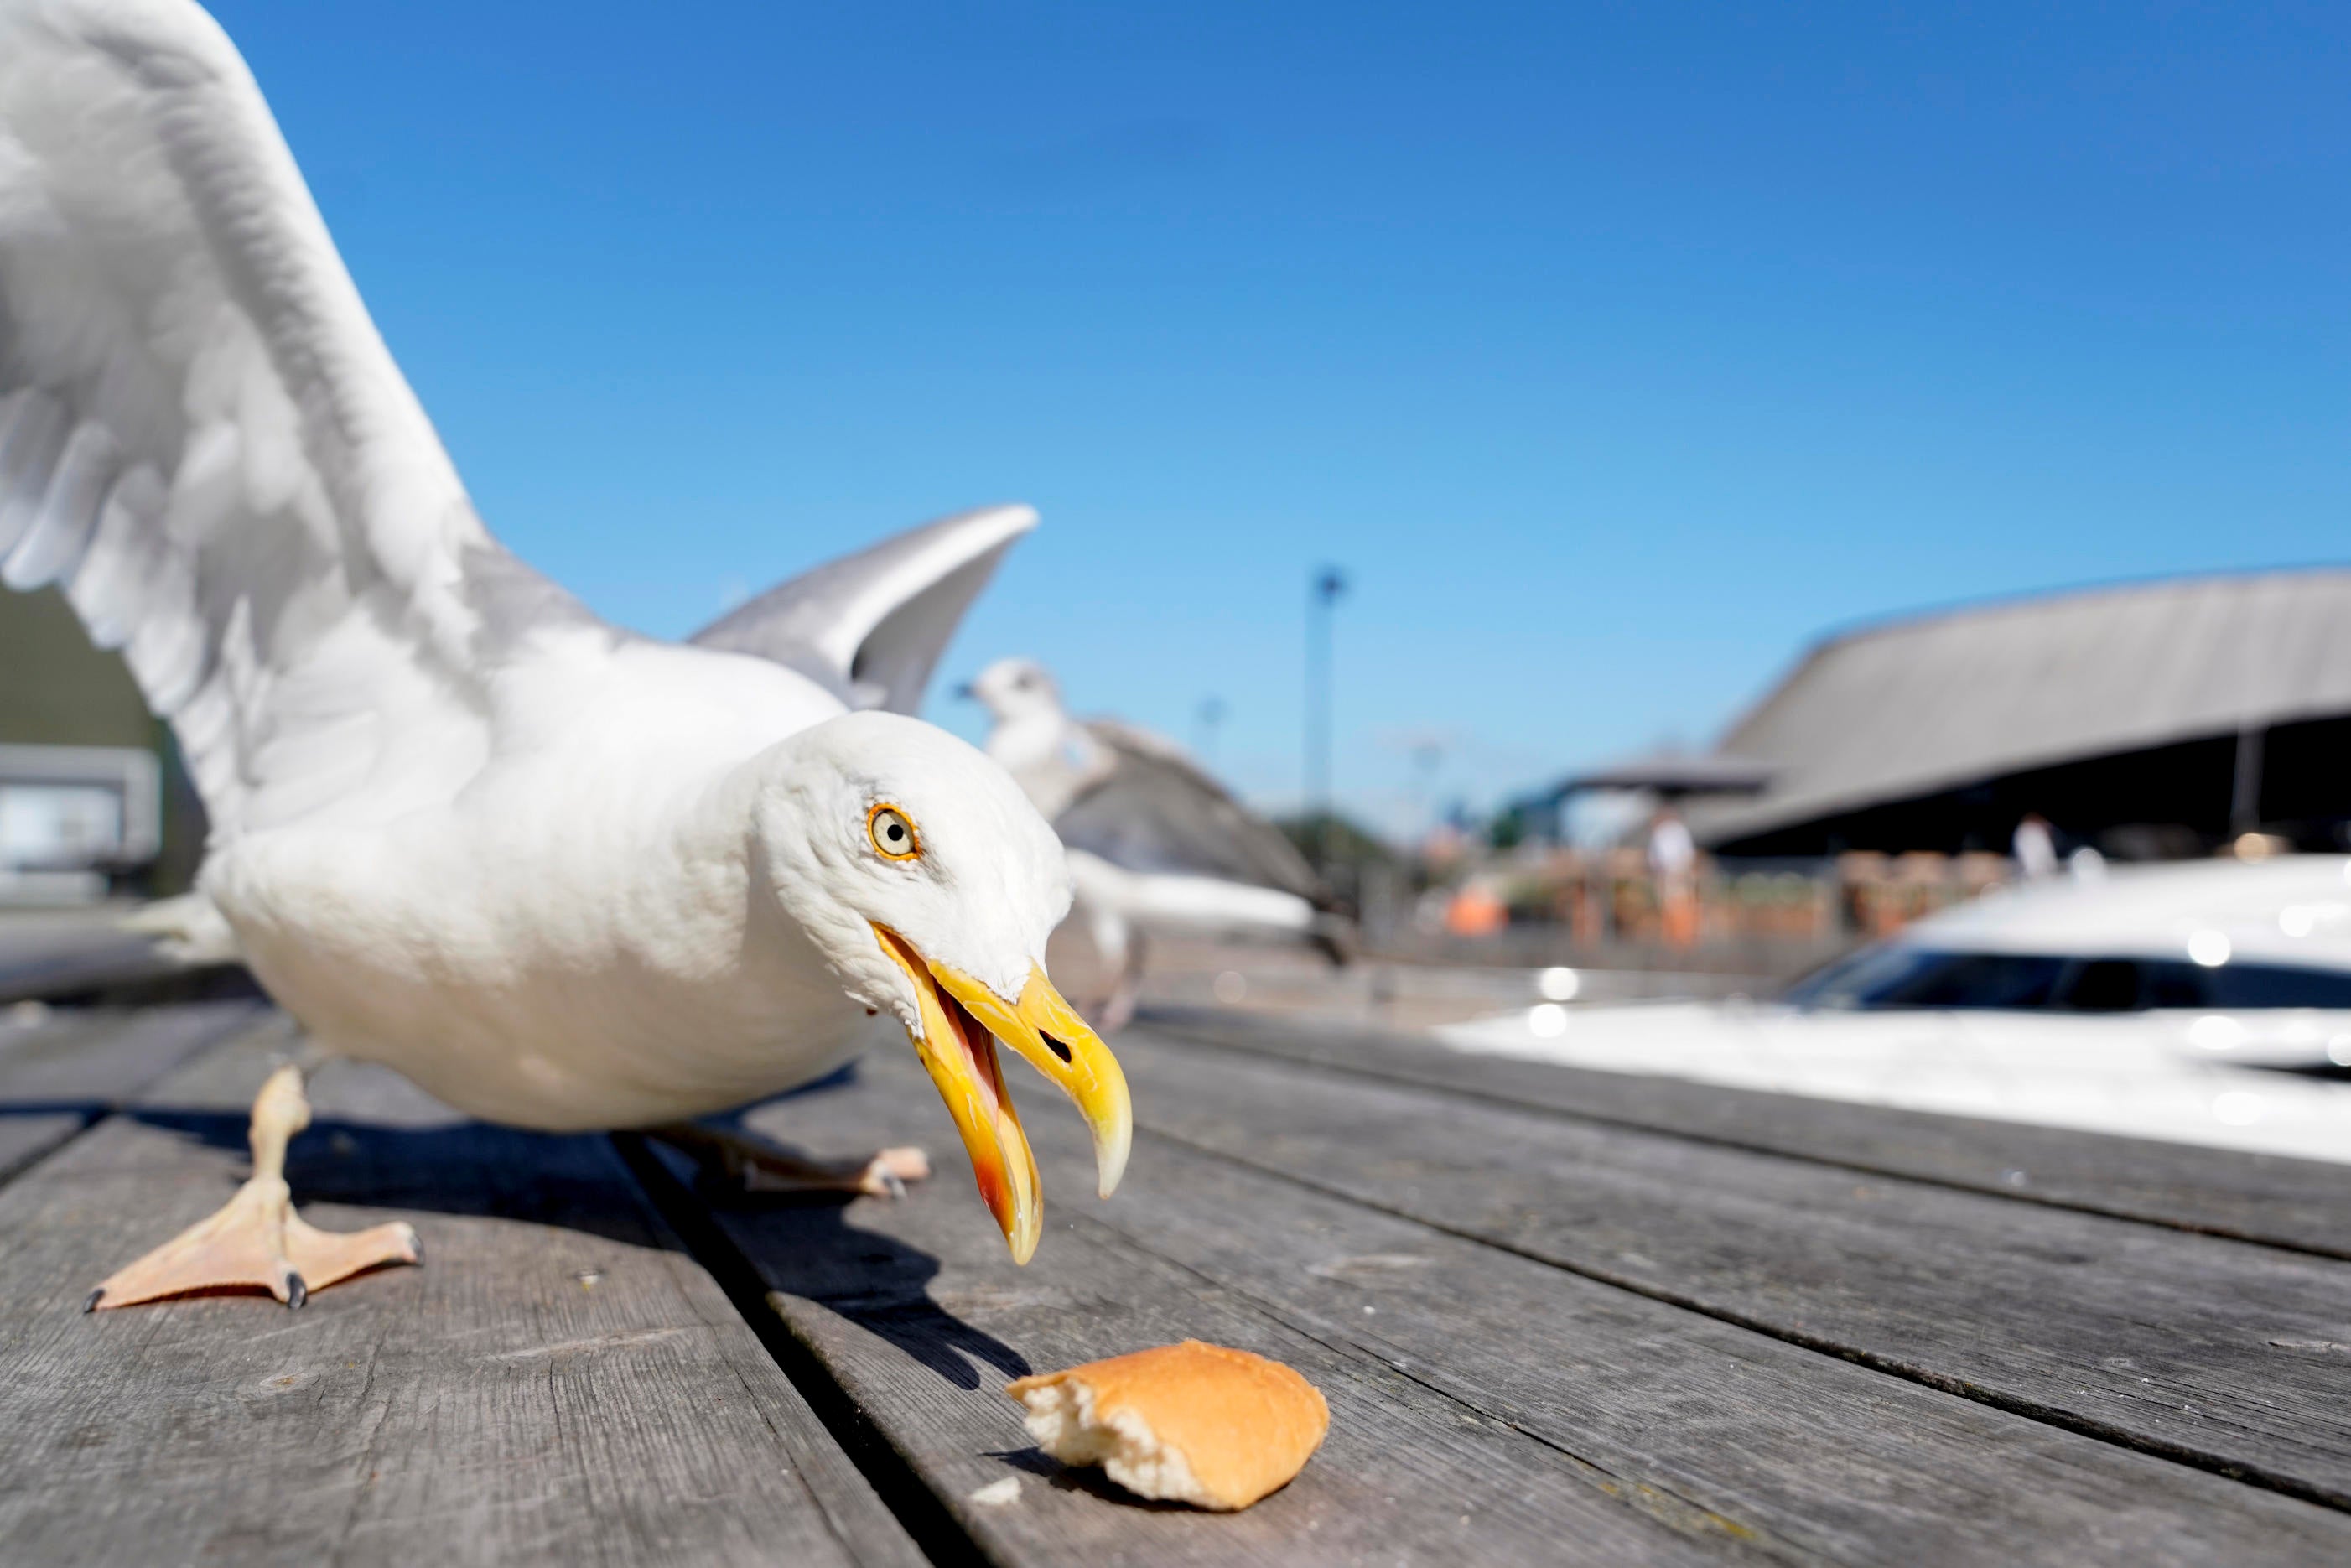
(178, 338)
(561, 876)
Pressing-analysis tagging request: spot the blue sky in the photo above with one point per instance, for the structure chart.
(1616, 351)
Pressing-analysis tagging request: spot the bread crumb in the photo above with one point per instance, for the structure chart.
(996, 1493)
(1062, 1419)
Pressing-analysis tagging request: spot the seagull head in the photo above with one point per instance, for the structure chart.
(928, 885)
(1014, 689)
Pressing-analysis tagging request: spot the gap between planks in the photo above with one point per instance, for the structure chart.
(2069, 1481)
(493, 1422)
(1926, 1377)
(2248, 1471)
(1297, 1048)
(917, 1508)
(944, 1542)
(913, 1307)
(62, 1077)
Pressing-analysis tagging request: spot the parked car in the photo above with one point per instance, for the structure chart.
(2209, 1002)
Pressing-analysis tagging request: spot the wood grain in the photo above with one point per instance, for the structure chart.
(1811, 1454)
(558, 1381)
(915, 1309)
(1548, 1333)
(72, 1066)
(52, 953)
(2271, 1198)
(2222, 1354)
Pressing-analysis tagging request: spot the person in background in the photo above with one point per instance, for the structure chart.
(1672, 863)
(2034, 847)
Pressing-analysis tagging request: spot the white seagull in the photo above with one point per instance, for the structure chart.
(1154, 843)
(562, 876)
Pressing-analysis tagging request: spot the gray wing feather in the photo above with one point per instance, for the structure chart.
(869, 627)
(1154, 811)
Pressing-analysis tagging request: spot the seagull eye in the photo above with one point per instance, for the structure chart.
(893, 833)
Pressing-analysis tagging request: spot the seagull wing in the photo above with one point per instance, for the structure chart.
(1153, 810)
(204, 443)
(869, 627)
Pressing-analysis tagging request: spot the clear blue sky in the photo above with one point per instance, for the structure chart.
(1617, 351)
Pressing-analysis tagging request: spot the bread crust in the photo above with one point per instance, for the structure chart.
(1232, 1427)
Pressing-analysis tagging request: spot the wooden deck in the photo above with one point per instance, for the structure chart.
(1559, 1316)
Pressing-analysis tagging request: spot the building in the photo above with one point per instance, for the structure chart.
(2148, 718)
(91, 798)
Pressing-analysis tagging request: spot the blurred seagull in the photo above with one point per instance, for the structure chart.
(562, 876)
(1154, 842)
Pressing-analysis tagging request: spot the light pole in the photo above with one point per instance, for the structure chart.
(1328, 585)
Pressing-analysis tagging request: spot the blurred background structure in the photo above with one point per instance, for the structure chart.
(1612, 355)
(2153, 720)
(1888, 774)
(92, 799)
(1882, 779)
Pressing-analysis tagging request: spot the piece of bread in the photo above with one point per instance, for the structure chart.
(1196, 1423)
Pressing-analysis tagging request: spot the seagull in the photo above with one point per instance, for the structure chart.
(560, 876)
(1154, 842)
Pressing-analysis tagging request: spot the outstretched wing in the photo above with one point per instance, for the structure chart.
(1154, 811)
(871, 626)
(204, 442)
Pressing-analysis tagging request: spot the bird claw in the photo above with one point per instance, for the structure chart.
(889, 1171)
(257, 1241)
(759, 1168)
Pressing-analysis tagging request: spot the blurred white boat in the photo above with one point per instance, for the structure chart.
(2204, 1003)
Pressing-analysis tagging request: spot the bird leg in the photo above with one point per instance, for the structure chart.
(1118, 952)
(1119, 1007)
(258, 1240)
(758, 1166)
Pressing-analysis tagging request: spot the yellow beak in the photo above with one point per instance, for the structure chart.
(962, 1021)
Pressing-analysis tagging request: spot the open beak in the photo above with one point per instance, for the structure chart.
(962, 1021)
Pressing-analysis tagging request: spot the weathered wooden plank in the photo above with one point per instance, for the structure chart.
(915, 1308)
(2231, 1357)
(53, 955)
(559, 1382)
(63, 1072)
(1799, 1452)
(2271, 1198)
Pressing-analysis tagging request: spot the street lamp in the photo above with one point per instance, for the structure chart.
(1328, 586)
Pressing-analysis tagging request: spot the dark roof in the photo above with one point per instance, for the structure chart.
(1938, 702)
(1674, 773)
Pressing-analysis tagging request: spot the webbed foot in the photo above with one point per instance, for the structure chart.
(257, 1241)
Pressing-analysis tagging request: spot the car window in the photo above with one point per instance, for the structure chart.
(2233, 986)
(1904, 977)
(2103, 986)
(1836, 983)
(1856, 979)
(2168, 983)
(1896, 974)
